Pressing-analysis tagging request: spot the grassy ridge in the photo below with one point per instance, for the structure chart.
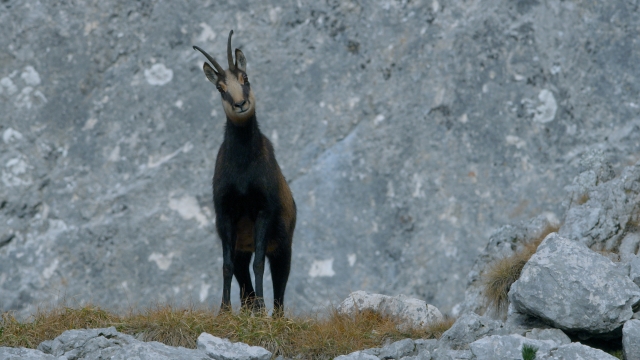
(312, 337)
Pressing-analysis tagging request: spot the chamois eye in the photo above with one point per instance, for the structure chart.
(245, 78)
(219, 88)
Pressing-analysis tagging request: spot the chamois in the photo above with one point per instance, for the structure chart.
(255, 210)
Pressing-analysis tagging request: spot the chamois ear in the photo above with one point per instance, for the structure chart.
(210, 73)
(241, 61)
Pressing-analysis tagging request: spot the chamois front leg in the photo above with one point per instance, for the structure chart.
(227, 232)
(260, 238)
(241, 272)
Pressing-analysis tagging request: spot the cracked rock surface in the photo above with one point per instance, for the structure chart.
(408, 130)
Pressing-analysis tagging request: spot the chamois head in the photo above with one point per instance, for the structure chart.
(233, 84)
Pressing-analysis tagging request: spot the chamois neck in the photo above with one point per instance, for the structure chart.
(243, 141)
(248, 131)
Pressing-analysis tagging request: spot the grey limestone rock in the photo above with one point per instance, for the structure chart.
(593, 169)
(574, 289)
(426, 344)
(397, 350)
(372, 351)
(448, 354)
(631, 340)
(556, 335)
(8, 353)
(358, 355)
(507, 347)
(519, 323)
(406, 349)
(94, 344)
(413, 312)
(629, 245)
(408, 130)
(74, 340)
(424, 355)
(603, 209)
(223, 349)
(467, 329)
(575, 351)
(633, 262)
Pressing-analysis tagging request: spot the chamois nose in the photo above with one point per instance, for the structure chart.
(239, 105)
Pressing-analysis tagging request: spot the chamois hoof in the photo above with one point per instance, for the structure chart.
(258, 305)
(225, 308)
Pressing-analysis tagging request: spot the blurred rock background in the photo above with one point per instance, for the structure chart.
(409, 131)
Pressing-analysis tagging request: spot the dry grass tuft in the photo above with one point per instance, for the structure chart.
(501, 275)
(504, 272)
(311, 337)
(168, 325)
(47, 324)
(438, 328)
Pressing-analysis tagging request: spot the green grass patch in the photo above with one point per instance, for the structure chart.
(529, 352)
(617, 353)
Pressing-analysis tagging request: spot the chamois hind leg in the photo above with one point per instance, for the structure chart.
(280, 264)
(227, 234)
(243, 275)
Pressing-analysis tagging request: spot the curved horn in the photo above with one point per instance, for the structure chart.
(213, 61)
(229, 56)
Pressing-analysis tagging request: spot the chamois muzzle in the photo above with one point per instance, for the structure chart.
(241, 106)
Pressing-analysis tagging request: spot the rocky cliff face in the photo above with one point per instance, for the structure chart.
(408, 130)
